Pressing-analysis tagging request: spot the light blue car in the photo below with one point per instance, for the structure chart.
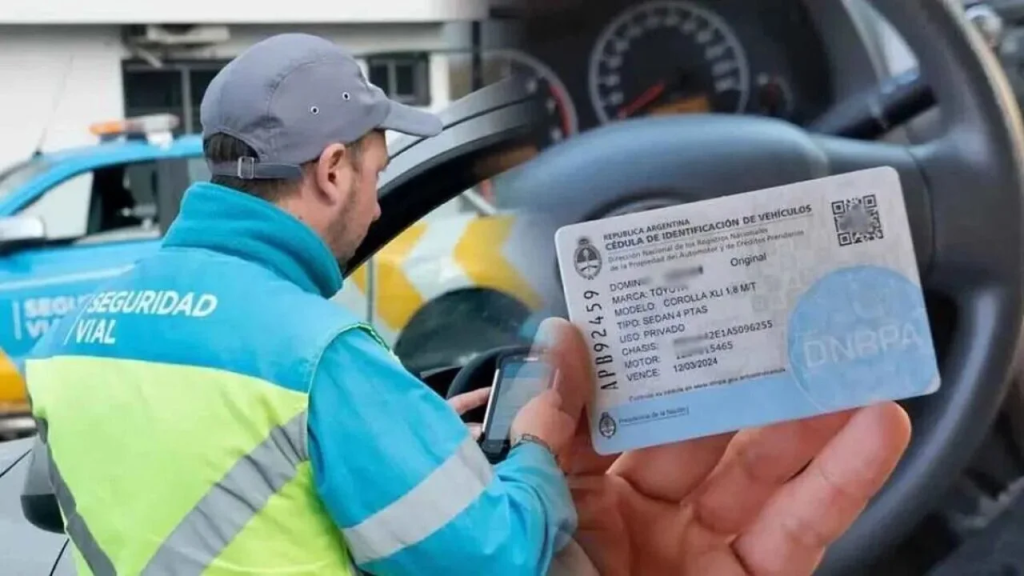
(72, 218)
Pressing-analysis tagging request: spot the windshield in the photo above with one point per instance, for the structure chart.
(18, 174)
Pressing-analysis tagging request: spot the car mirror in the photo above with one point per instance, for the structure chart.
(18, 231)
(38, 498)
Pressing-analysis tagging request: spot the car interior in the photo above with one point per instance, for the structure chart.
(636, 110)
(834, 62)
(123, 201)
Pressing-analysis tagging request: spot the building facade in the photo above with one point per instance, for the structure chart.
(67, 64)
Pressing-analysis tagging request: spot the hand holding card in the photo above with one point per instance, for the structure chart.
(747, 310)
(764, 501)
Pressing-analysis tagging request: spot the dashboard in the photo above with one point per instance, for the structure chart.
(621, 59)
(602, 61)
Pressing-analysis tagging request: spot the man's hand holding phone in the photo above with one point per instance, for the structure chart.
(470, 401)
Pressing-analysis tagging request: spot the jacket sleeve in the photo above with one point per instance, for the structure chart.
(408, 486)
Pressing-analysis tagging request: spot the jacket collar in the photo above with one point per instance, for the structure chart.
(230, 222)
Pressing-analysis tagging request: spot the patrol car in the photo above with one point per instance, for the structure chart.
(70, 219)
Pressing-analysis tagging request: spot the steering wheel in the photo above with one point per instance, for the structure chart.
(963, 193)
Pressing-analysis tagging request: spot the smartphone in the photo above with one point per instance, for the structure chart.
(518, 379)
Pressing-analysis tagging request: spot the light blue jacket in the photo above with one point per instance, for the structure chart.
(393, 464)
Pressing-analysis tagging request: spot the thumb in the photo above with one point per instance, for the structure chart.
(563, 348)
(554, 415)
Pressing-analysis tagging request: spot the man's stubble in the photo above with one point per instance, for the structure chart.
(339, 231)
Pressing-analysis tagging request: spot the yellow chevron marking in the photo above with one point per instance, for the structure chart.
(479, 253)
(13, 398)
(396, 298)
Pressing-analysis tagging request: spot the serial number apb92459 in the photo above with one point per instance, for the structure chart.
(606, 377)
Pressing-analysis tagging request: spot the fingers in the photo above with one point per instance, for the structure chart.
(465, 402)
(670, 472)
(554, 415)
(812, 510)
(475, 430)
(758, 463)
(562, 346)
(657, 471)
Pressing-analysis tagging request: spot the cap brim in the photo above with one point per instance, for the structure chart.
(412, 121)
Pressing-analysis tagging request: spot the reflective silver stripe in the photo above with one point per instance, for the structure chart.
(428, 507)
(97, 560)
(224, 511)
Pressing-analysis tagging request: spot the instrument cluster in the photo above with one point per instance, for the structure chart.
(621, 59)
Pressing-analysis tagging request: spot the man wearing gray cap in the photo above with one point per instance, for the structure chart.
(210, 411)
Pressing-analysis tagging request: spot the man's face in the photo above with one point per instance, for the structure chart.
(359, 209)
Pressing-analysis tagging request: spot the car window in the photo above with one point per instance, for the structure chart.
(502, 164)
(117, 202)
(560, 123)
(445, 289)
(448, 288)
(16, 176)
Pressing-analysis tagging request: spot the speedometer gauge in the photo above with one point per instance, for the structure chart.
(667, 58)
(560, 121)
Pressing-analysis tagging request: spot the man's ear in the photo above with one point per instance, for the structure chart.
(333, 173)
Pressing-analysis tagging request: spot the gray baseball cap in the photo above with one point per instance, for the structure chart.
(292, 95)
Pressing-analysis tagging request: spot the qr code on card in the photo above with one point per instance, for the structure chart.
(857, 220)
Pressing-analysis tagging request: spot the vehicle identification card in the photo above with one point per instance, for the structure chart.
(746, 310)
